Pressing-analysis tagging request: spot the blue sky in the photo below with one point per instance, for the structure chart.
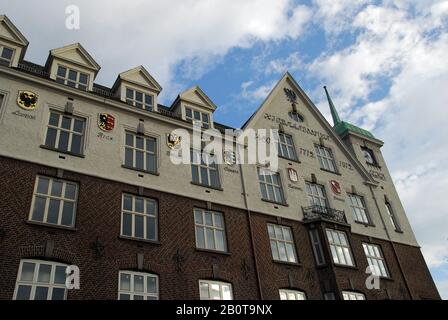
(384, 63)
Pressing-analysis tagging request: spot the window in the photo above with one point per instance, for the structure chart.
(340, 249)
(215, 290)
(369, 156)
(195, 116)
(375, 259)
(393, 218)
(317, 247)
(40, 280)
(1, 100)
(139, 99)
(65, 133)
(329, 296)
(6, 55)
(295, 116)
(325, 157)
(138, 286)
(270, 185)
(54, 202)
(286, 294)
(72, 78)
(282, 243)
(204, 171)
(210, 231)
(316, 195)
(139, 218)
(350, 295)
(140, 152)
(286, 147)
(358, 208)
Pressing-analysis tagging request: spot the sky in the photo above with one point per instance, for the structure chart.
(384, 62)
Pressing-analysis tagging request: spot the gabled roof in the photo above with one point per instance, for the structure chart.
(59, 53)
(16, 36)
(198, 91)
(143, 72)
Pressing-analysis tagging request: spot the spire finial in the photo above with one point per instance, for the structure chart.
(333, 110)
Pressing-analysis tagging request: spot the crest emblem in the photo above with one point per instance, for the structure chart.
(106, 122)
(173, 140)
(27, 100)
(230, 157)
(335, 187)
(293, 175)
(291, 96)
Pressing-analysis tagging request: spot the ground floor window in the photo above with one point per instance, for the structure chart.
(215, 290)
(138, 286)
(350, 295)
(286, 294)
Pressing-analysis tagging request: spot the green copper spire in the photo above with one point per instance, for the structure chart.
(333, 110)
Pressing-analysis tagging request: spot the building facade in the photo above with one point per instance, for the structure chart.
(87, 181)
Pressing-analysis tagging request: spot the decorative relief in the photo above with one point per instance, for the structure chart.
(27, 99)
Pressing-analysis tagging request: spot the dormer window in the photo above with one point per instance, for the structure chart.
(72, 78)
(6, 55)
(139, 99)
(198, 117)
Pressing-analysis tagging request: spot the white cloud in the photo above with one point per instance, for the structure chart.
(259, 93)
(280, 66)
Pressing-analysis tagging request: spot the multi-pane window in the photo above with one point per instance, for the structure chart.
(40, 280)
(375, 259)
(350, 295)
(139, 99)
(204, 169)
(286, 146)
(54, 202)
(140, 152)
(359, 210)
(271, 186)
(340, 249)
(215, 290)
(138, 286)
(393, 218)
(282, 243)
(72, 78)
(65, 133)
(139, 217)
(325, 157)
(317, 247)
(286, 294)
(210, 230)
(6, 55)
(201, 118)
(316, 195)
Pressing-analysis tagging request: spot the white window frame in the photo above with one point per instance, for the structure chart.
(134, 102)
(209, 165)
(213, 228)
(267, 183)
(318, 250)
(65, 79)
(282, 237)
(145, 215)
(316, 195)
(375, 259)
(48, 197)
(340, 247)
(131, 292)
(359, 208)
(200, 121)
(286, 149)
(71, 132)
(326, 158)
(34, 283)
(145, 152)
(352, 295)
(287, 294)
(9, 62)
(221, 287)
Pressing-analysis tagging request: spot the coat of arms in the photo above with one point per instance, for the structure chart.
(106, 122)
(293, 175)
(27, 100)
(335, 187)
(230, 157)
(173, 140)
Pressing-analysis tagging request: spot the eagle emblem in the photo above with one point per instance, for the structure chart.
(173, 140)
(27, 100)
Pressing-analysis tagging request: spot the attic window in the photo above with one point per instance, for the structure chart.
(6, 55)
(195, 116)
(140, 100)
(295, 116)
(72, 78)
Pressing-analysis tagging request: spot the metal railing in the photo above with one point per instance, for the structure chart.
(319, 212)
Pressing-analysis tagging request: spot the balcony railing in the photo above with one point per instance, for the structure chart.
(318, 212)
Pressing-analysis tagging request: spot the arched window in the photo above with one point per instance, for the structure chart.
(295, 116)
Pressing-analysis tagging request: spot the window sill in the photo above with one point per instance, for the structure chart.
(225, 253)
(375, 165)
(49, 225)
(205, 186)
(140, 170)
(345, 266)
(329, 171)
(294, 264)
(288, 159)
(284, 204)
(365, 224)
(64, 152)
(399, 231)
(156, 242)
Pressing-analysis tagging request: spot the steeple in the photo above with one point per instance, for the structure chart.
(334, 113)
